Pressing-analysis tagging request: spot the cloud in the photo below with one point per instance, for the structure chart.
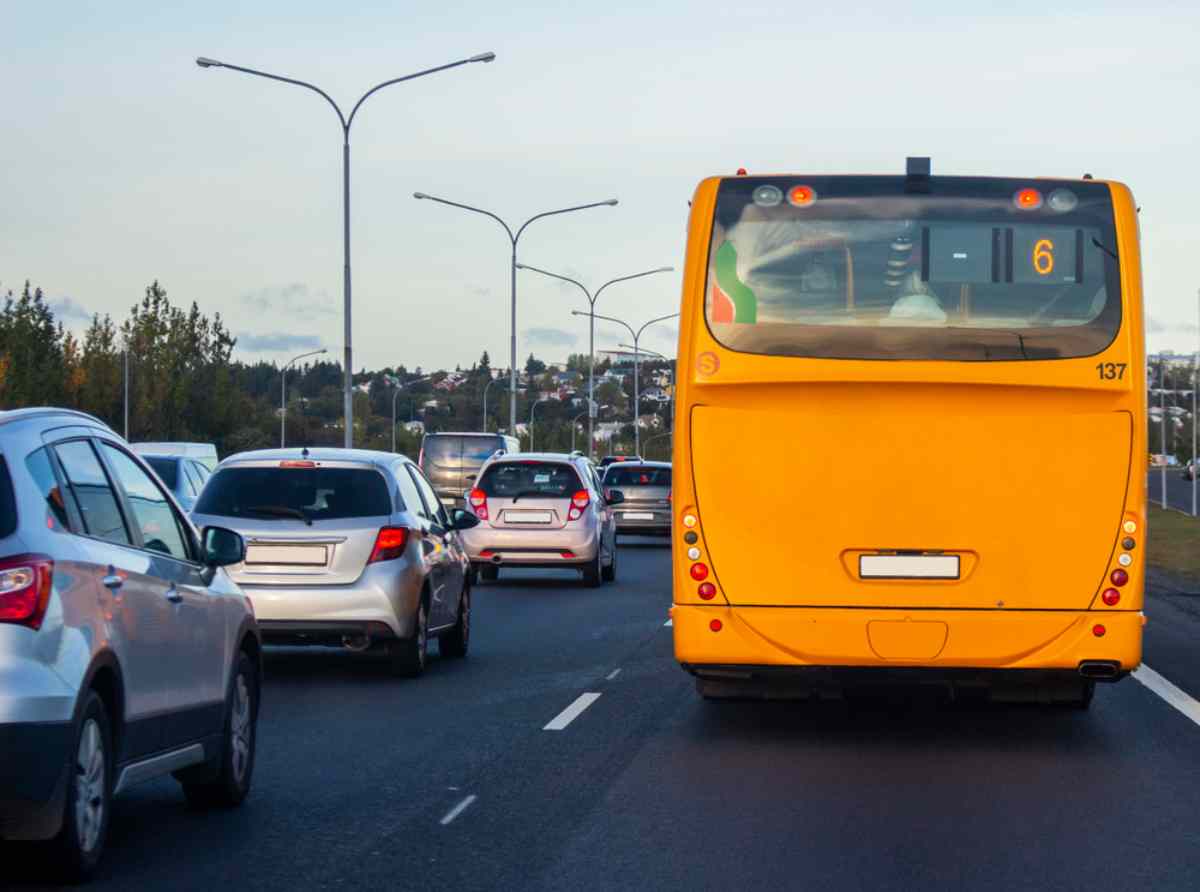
(294, 298)
(665, 333)
(1157, 326)
(277, 343)
(68, 310)
(548, 337)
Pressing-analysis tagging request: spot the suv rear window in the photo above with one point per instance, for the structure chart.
(530, 479)
(8, 503)
(167, 470)
(637, 475)
(295, 493)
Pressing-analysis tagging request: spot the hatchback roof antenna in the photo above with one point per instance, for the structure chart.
(916, 174)
(304, 452)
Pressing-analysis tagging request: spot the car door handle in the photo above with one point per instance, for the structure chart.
(174, 595)
(113, 581)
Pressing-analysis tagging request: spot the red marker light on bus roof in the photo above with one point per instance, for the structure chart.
(1028, 200)
(801, 196)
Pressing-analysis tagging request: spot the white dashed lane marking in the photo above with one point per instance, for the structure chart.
(612, 675)
(572, 712)
(458, 809)
(1167, 691)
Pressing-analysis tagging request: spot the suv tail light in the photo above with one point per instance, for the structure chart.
(478, 500)
(25, 583)
(579, 501)
(389, 544)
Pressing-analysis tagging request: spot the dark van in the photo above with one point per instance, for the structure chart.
(451, 461)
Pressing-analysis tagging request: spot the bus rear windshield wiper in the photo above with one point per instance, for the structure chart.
(279, 511)
(1104, 248)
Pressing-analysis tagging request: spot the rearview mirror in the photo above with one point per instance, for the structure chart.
(463, 520)
(222, 547)
(614, 497)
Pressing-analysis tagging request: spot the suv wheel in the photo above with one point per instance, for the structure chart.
(80, 842)
(231, 781)
(408, 655)
(455, 642)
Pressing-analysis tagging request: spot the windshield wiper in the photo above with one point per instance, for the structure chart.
(1016, 334)
(526, 492)
(278, 511)
(1104, 248)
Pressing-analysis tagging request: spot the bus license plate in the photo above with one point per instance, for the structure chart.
(908, 566)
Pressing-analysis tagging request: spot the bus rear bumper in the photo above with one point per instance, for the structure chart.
(778, 637)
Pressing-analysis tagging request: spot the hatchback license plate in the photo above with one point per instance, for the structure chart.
(908, 566)
(528, 516)
(284, 555)
(637, 515)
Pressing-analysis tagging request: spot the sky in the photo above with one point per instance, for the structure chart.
(124, 162)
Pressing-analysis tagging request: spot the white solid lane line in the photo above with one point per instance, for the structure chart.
(458, 810)
(1173, 695)
(669, 623)
(572, 712)
(612, 675)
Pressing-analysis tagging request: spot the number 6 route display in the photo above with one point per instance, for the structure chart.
(951, 371)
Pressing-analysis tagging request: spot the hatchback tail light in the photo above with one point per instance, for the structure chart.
(389, 544)
(579, 502)
(478, 500)
(25, 583)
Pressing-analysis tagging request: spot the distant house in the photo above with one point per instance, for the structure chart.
(415, 427)
(650, 422)
(606, 430)
(656, 395)
(429, 404)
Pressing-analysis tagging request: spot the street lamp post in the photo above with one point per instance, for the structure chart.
(486, 388)
(346, 122)
(591, 299)
(532, 406)
(514, 266)
(575, 423)
(283, 391)
(637, 354)
(126, 352)
(395, 393)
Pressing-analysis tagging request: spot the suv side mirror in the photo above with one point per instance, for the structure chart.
(222, 547)
(614, 496)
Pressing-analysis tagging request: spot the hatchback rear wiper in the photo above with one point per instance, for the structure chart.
(526, 492)
(278, 511)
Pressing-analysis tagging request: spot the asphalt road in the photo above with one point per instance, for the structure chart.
(361, 779)
(1179, 491)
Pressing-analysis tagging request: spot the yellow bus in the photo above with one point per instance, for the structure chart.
(909, 410)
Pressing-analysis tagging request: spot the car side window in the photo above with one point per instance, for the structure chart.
(60, 501)
(190, 487)
(93, 492)
(161, 529)
(408, 490)
(434, 509)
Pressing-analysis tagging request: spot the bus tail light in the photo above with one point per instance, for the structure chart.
(1119, 577)
(707, 591)
(1111, 597)
(1098, 630)
(579, 502)
(478, 500)
(25, 583)
(716, 625)
(699, 572)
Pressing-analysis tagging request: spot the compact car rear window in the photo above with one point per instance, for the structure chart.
(530, 479)
(637, 475)
(289, 493)
(8, 502)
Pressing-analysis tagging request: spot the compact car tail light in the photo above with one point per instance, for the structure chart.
(478, 500)
(25, 583)
(389, 544)
(579, 501)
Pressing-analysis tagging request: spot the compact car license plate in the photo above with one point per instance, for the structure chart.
(303, 555)
(908, 566)
(637, 515)
(528, 516)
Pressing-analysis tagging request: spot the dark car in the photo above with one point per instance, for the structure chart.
(647, 488)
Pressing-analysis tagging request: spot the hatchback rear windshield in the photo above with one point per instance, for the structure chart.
(8, 502)
(450, 449)
(167, 470)
(863, 268)
(530, 479)
(295, 493)
(637, 475)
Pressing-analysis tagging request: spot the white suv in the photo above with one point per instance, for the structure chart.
(126, 652)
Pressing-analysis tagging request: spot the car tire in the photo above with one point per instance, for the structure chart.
(609, 573)
(454, 644)
(228, 786)
(489, 572)
(409, 655)
(592, 573)
(77, 848)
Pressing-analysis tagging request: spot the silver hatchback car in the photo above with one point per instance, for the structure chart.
(542, 509)
(126, 652)
(345, 548)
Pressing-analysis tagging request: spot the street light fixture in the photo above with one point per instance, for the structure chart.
(611, 202)
(283, 391)
(346, 122)
(592, 298)
(636, 335)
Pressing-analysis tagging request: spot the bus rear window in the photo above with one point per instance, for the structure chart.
(858, 268)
